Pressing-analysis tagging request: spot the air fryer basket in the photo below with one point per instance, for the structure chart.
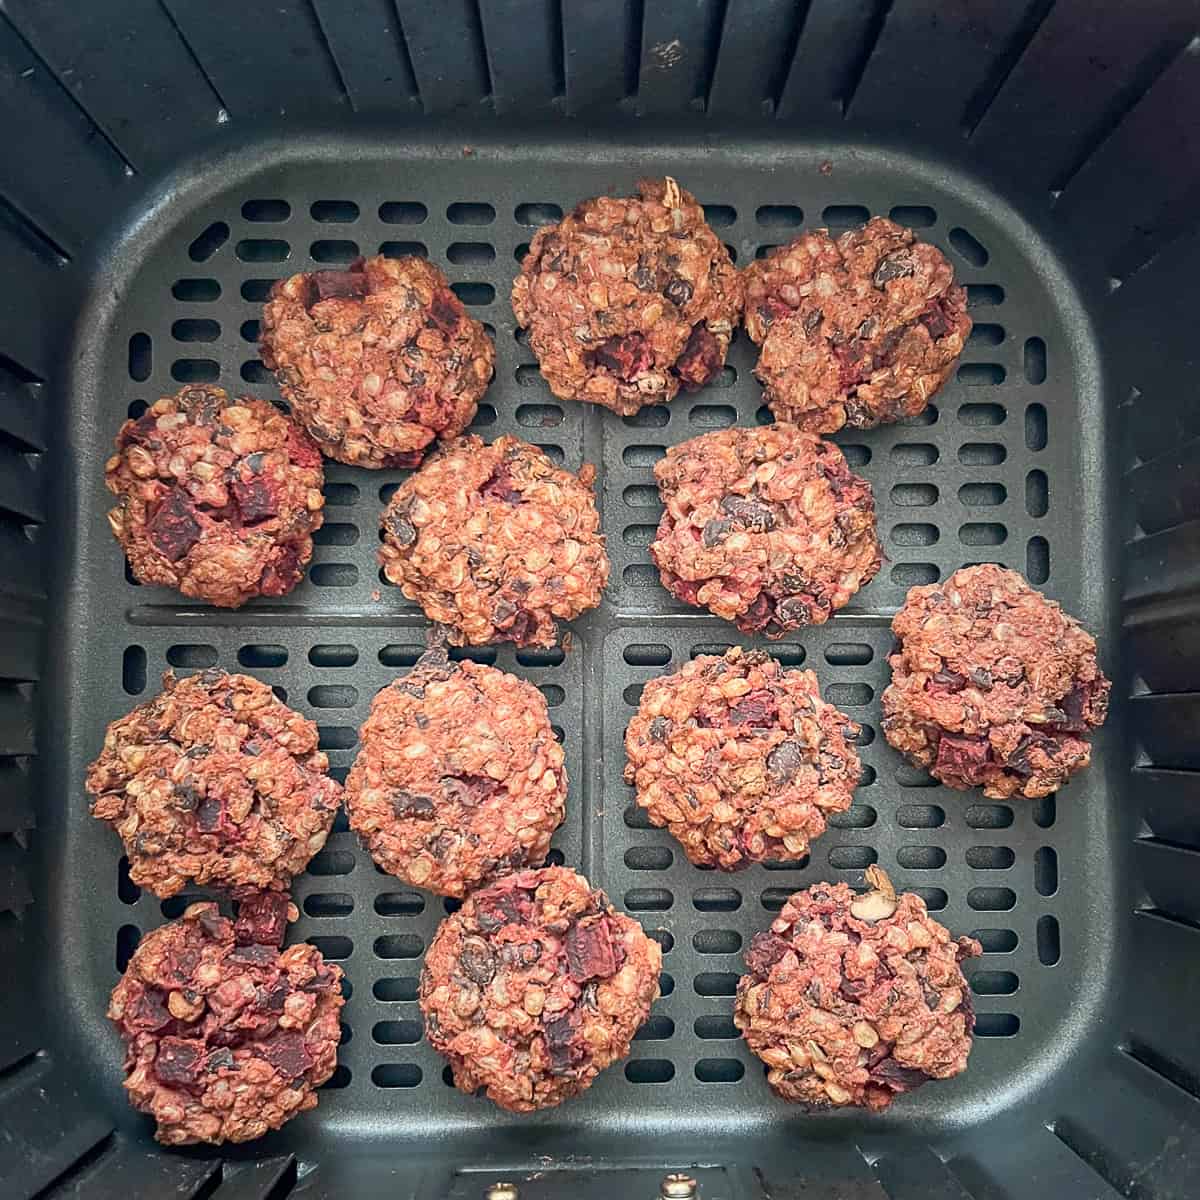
(168, 160)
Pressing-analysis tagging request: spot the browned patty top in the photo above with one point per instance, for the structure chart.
(852, 1000)
(219, 497)
(496, 542)
(993, 685)
(740, 759)
(226, 1036)
(377, 360)
(459, 777)
(217, 782)
(628, 299)
(535, 986)
(855, 330)
(767, 527)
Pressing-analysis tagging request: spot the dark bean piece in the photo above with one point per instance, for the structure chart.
(981, 677)
(893, 267)
(756, 515)
(678, 291)
(784, 761)
(411, 804)
(477, 962)
(400, 528)
(715, 531)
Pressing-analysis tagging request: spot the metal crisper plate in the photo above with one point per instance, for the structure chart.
(992, 471)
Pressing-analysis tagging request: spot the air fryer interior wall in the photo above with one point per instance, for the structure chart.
(158, 181)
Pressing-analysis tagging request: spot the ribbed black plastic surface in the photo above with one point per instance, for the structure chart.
(987, 473)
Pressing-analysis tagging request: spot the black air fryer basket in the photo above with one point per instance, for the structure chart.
(166, 160)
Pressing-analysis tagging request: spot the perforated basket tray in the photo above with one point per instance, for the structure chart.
(988, 473)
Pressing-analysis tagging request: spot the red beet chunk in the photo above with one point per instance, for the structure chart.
(766, 949)
(700, 359)
(756, 709)
(499, 485)
(445, 309)
(899, 1078)
(262, 919)
(623, 356)
(470, 790)
(255, 499)
(336, 284)
(282, 574)
(174, 530)
(590, 950)
(179, 1062)
(209, 814)
(946, 683)
(148, 1013)
(503, 905)
(967, 758)
(563, 1044)
(287, 1053)
(855, 362)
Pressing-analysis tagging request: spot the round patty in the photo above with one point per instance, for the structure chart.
(627, 300)
(768, 528)
(217, 782)
(740, 759)
(219, 497)
(993, 685)
(495, 542)
(226, 1036)
(458, 777)
(856, 331)
(377, 360)
(535, 986)
(852, 1000)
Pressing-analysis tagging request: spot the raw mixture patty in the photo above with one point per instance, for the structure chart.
(495, 542)
(768, 528)
(854, 999)
(535, 986)
(377, 360)
(856, 331)
(458, 777)
(214, 781)
(627, 300)
(740, 759)
(993, 685)
(225, 1035)
(219, 497)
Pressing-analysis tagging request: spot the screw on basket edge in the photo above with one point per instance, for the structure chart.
(678, 1187)
(502, 1191)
